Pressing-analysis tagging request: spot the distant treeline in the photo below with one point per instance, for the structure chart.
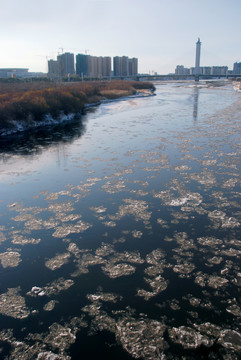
(32, 101)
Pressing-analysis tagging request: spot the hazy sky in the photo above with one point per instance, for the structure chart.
(160, 33)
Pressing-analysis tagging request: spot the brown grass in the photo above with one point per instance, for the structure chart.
(34, 100)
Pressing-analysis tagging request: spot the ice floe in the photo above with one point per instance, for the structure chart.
(58, 261)
(117, 270)
(10, 259)
(142, 338)
(189, 338)
(13, 304)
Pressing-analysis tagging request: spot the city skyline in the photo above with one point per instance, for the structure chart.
(85, 65)
(160, 33)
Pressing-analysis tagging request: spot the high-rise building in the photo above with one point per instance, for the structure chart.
(93, 66)
(206, 70)
(135, 60)
(237, 68)
(203, 70)
(89, 65)
(66, 64)
(123, 66)
(219, 70)
(106, 66)
(81, 65)
(181, 70)
(133, 66)
(117, 66)
(197, 60)
(99, 66)
(192, 70)
(53, 68)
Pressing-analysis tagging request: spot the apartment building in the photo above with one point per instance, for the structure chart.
(66, 64)
(123, 66)
(106, 66)
(93, 66)
(206, 70)
(181, 70)
(53, 68)
(81, 65)
(133, 66)
(237, 68)
(219, 70)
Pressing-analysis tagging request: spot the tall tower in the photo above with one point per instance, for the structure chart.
(198, 53)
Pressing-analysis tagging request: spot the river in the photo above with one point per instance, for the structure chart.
(120, 231)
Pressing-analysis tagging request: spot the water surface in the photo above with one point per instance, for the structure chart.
(120, 232)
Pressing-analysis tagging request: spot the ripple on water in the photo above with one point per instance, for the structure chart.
(157, 212)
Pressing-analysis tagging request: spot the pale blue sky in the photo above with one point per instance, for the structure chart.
(161, 33)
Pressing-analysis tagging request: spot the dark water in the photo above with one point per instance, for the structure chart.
(120, 232)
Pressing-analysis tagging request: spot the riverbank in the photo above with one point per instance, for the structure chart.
(27, 106)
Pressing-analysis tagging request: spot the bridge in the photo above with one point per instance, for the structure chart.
(175, 77)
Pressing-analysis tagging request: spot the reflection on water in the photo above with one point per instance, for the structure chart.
(33, 142)
(195, 102)
(120, 238)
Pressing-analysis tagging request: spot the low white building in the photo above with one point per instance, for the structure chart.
(13, 72)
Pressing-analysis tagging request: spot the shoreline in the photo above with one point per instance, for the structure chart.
(20, 126)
